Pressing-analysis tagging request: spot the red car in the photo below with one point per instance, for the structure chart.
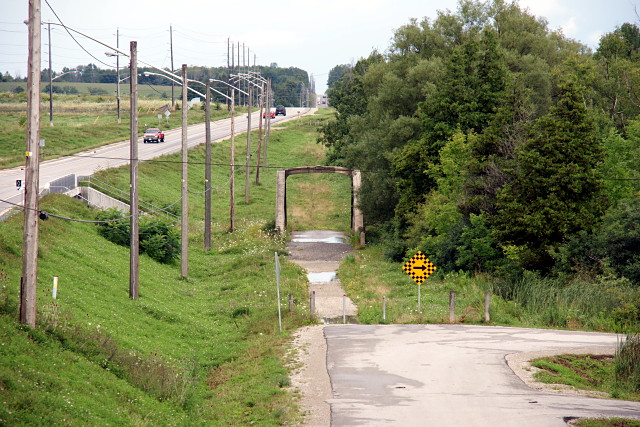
(272, 115)
(153, 135)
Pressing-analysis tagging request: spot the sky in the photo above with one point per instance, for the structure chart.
(312, 35)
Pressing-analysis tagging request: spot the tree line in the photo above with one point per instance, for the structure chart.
(287, 83)
(496, 145)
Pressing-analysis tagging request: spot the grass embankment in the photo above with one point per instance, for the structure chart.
(205, 350)
(75, 131)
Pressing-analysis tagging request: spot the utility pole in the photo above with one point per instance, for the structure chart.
(184, 219)
(118, 74)
(207, 171)
(228, 75)
(232, 185)
(267, 123)
(29, 278)
(173, 99)
(237, 71)
(248, 162)
(50, 81)
(262, 100)
(134, 247)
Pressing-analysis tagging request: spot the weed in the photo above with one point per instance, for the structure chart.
(627, 363)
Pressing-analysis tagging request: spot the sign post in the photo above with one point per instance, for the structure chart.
(419, 268)
(278, 290)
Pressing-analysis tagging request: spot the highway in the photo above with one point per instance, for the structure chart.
(115, 155)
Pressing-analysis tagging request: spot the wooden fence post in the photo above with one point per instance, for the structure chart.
(487, 300)
(452, 305)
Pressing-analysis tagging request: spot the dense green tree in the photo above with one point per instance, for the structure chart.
(556, 189)
(467, 97)
(619, 59)
(336, 74)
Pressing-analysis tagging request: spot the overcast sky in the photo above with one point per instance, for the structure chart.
(312, 35)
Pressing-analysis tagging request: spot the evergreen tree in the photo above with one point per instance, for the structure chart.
(556, 189)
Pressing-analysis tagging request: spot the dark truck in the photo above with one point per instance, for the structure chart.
(153, 135)
(280, 110)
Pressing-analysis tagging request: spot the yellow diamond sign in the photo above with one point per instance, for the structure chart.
(419, 267)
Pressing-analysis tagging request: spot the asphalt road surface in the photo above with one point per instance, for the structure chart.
(114, 155)
(452, 375)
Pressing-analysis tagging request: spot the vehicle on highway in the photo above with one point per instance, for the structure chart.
(153, 135)
(280, 110)
(272, 115)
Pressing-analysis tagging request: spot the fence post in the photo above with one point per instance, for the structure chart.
(290, 303)
(312, 303)
(452, 305)
(487, 300)
(384, 308)
(344, 309)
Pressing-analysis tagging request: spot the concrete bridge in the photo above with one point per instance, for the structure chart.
(357, 220)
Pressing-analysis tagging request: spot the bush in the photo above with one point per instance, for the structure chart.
(157, 239)
(160, 241)
(97, 91)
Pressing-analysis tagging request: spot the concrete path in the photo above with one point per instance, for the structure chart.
(320, 252)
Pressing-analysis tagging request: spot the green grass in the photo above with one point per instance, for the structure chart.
(205, 350)
(530, 301)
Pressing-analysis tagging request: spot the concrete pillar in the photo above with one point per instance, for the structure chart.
(281, 207)
(357, 219)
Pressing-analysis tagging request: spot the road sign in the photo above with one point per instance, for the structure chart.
(167, 113)
(419, 267)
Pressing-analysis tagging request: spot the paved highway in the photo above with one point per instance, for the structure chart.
(108, 156)
(452, 375)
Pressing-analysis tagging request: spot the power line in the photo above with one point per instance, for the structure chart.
(74, 39)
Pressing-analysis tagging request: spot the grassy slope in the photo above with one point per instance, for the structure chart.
(209, 345)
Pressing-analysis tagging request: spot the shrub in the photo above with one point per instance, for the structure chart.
(157, 239)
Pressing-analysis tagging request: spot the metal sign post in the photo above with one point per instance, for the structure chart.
(278, 290)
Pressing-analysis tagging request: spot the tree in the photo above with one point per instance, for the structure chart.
(336, 74)
(556, 189)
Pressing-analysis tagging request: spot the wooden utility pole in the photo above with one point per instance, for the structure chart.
(29, 279)
(207, 171)
(134, 247)
(267, 124)
(259, 134)
(173, 99)
(228, 74)
(50, 80)
(118, 74)
(232, 185)
(248, 162)
(184, 219)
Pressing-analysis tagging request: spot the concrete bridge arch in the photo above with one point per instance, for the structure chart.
(357, 220)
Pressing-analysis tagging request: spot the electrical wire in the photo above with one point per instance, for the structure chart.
(74, 39)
